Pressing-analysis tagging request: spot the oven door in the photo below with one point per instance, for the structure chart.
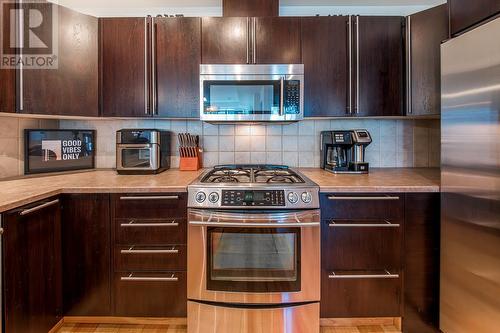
(138, 157)
(230, 98)
(258, 257)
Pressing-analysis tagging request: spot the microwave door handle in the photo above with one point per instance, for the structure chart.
(282, 95)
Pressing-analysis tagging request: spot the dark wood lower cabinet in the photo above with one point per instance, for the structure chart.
(86, 256)
(32, 268)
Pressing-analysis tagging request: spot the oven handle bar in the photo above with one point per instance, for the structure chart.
(385, 275)
(254, 225)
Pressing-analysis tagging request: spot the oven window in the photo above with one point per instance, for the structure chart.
(241, 97)
(136, 158)
(254, 259)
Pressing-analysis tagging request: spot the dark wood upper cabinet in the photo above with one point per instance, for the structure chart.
(425, 32)
(277, 40)
(124, 67)
(178, 57)
(466, 13)
(86, 258)
(7, 90)
(32, 268)
(325, 59)
(250, 8)
(381, 67)
(225, 40)
(72, 88)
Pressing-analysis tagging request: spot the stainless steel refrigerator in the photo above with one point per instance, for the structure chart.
(470, 177)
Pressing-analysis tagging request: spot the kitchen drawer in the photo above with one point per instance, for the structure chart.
(153, 206)
(150, 231)
(360, 294)
(150, 258)
(361, 244)
(362, 206)
(139, 294)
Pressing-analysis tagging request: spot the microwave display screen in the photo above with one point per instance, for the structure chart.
(241, 97)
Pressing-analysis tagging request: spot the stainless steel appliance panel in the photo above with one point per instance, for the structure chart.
(470, 176)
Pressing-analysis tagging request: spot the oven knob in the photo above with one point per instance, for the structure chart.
(213, 197)
(200, 197)
(306, 197)
(293, 197)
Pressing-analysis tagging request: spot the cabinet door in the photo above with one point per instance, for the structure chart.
(86, 240)
(124, 66)
(178, 56)
(72, 88)
(277, 40)
(380, 66)
(225, 40)
(465, 13)
(427, 30)
(32, 268)
(325, 58)
(7, 90)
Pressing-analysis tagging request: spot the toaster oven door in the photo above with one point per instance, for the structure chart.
(138, 157)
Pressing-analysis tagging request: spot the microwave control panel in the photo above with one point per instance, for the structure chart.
(292, 97)
(253, 198)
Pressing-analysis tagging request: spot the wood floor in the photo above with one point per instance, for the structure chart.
(108, 328)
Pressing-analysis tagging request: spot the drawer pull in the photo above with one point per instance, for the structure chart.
(133, 223)
(37, 208)
(131, 250)
(154, 197)
(386, 275)
(172, 278)
(386, 224)
(386, 197)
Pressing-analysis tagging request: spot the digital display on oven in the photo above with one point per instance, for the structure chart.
(253, 198)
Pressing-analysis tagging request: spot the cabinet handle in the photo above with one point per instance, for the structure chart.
(254, 37)
(357, 65)
(37, 208)
(385, 275)
(131, 250)
(153, 69)
(248, 40)
(388, 197)
(386, 224)
(133, 223)
(146, 99)
(349, 24)
(282, 95)
(154, 197)
(130, 277)
(408, 66)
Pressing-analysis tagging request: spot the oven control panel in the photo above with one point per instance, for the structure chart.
(253, 198)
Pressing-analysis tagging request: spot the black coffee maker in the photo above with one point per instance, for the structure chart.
(344, 151)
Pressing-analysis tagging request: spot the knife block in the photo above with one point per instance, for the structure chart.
(192, 163)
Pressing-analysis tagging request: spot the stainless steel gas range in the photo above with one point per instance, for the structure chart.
(254, 251)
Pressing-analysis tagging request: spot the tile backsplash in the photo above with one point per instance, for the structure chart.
(396, 143)
(12, 142)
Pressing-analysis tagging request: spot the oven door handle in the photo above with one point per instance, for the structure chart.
(254, 225)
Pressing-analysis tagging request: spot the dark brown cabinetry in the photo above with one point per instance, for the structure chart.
(86, 256)
(361, 266)
(250, 8)
(325, 59)
(124, 67)
(244, 40)
(379, 68)
(425, 32)
(150, 236)
(7, 90)
(72, 88)
(465, 14)
(421, 257)
(32, 267)
(177, 63)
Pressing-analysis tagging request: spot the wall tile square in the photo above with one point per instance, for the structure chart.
(209, 129)
(162, 124)
(258, 157)
(210, 159)
(291, 159)
(258, 143)
(290, 143)
(226, 129)
(306, 159)
(273, 130)
(242, 130)
(195, 127)
(306, 127)
(307, 143)
(211, 143)
(242, 157)
(242, 143)
(273, 143)
(226, 158)
(226, 143)
(274, 158)
(257, 130)
(291, 129)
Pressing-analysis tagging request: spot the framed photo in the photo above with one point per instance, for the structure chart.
(58, 150)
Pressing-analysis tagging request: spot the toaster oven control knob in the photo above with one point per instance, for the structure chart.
(293, 197)
(213, 197)
(200, 197)
(306, 197)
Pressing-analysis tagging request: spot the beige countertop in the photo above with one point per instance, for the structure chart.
(378, 180)
(19, 192)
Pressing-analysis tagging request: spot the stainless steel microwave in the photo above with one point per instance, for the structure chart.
(251, 93)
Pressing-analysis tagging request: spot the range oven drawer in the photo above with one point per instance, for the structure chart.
(149, 206)
(362, 206)
(134, 231)
(140, 294)
(150, 258)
